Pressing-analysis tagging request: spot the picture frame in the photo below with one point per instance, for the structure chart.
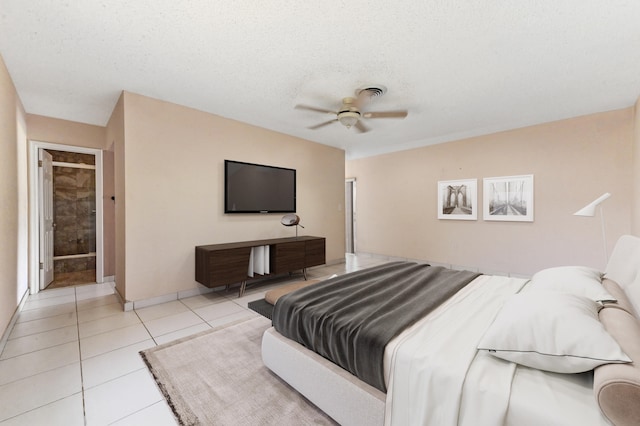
(458, 199)
(508, 198)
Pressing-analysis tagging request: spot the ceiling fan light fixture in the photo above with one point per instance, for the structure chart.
(348, 118)
(351, 112)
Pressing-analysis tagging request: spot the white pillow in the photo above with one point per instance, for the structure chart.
(632, 291)
(551, 331)
(578, 280)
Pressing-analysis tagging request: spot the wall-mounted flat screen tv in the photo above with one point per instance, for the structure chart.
(256, 188)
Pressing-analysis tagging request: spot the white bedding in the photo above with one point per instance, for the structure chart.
(543, 398)
(438, 377)
(430, 364)
(392, 346)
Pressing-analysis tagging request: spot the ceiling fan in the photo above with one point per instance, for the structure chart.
(350, 114)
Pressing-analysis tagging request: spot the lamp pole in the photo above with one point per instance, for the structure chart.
(604, 237)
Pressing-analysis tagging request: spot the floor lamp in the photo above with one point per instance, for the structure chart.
(590, 210)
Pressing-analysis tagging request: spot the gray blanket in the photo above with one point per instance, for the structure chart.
(351, 318)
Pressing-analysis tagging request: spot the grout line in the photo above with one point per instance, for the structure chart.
(41, 331)
(39, 372)
(188, 307)
(43, 318)
(155, 342)
(37, 408)
(38, 350)
(137, 411)
(84, 405)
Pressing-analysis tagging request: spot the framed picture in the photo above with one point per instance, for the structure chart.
(508, 198)
(458, 199)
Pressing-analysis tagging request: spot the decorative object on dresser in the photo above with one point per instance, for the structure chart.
(225, 264)
(291, 220)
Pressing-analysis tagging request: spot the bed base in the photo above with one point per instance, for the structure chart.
(338, 393)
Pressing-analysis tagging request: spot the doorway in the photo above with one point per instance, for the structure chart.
(66, 223)
(350, 214)
(74, 219)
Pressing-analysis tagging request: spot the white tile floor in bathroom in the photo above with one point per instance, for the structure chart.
(72, 355)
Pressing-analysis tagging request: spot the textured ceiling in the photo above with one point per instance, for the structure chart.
(460, 68)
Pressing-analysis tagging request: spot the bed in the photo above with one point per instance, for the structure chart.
(556, 349)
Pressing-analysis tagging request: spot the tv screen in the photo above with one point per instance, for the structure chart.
(256, 188)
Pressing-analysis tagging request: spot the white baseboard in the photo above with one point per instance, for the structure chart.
(12, 322)
(128, 305)
(195, 292)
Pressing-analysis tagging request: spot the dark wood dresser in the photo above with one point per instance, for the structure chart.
(225, 264)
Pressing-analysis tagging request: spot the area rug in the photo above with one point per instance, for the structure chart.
(217, 378)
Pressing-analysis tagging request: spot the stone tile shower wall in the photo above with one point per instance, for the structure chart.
(74, 206)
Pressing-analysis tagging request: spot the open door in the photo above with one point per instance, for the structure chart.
(45, 177)
(350, 215)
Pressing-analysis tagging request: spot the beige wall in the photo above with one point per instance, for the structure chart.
(47, 129)
(13, 229)
(573, 162)
(109, 212)
(635, 212)
(173, 191)
(115, 142)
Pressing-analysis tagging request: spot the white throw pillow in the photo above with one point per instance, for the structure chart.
(550, 331)
(578, 280)
(633, 293)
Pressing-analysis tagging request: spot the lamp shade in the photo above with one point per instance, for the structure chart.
(290, 220)
(348, 118)
(590, 209)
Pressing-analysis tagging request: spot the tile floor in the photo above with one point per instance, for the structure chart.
(72, 356)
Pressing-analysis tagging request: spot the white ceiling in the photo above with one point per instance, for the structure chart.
(461, 68)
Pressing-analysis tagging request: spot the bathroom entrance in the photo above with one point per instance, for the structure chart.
(74, 219)
(68, 217)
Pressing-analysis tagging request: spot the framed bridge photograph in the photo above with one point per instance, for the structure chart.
(458, 199)
(508, 198)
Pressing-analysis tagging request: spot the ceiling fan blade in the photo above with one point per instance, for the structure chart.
(386, 114)
(310, 108)
(361, 127)
(317, 126)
